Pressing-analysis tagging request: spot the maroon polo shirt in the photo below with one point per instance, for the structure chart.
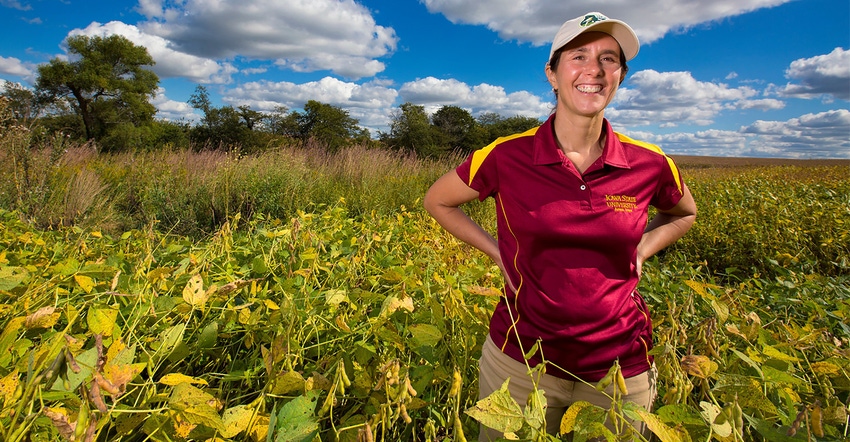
(569, 244)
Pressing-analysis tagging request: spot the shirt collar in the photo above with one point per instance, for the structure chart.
(546, 149)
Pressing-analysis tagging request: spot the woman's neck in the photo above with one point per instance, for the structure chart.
(579, 135)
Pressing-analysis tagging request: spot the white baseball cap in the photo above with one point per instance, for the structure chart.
(595, 21)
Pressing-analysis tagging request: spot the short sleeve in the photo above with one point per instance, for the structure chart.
(671, 187)
(478, 171)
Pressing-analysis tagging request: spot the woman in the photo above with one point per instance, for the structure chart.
(571, 199)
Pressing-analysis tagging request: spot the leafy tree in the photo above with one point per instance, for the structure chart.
(330, 125)
(411, 129)
(456, 127)
(106, 84)
(281, 122)
(220, 126)
(22, 103)
(497, 126)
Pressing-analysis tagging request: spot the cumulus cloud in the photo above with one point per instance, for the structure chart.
(434, 93)
(820, 135)
(169, 62)
(171, 110)
(15, 4)
(673, 98)
(369, 103)
(336, 35)
(821, 75)
(13, 66)
(537, 21)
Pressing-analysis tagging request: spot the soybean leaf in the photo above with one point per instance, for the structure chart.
(297, 421)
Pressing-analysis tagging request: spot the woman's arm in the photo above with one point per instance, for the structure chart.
(442, 201)
(666, 227)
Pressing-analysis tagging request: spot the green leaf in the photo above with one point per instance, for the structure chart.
(498, 411)
(11, 277)
(748, 360)
(710, 413)
(86, 361)
(535, 409)
(678, 413)
(779, 376)
(772, 433)
(425, 335)
(297, 421)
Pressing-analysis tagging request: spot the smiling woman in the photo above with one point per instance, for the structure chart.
(571, 198)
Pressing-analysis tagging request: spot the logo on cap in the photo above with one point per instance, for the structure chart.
(591, 19)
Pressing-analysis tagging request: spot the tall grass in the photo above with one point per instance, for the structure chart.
(193, 192)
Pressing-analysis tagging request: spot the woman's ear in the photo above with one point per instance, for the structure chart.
(550, 75)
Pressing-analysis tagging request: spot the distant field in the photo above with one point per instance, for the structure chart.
(690, 161)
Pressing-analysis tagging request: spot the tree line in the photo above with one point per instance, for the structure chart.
(102, 94)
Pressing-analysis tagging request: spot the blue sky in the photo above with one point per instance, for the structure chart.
(757, 78)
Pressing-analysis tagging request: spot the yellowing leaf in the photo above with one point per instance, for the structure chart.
(335, 297)
(698, 365)
(271, 305)
(44, 317)
(772, 352)
(115, 378)
(287, 383)
(194, 293)
(173, 379)
(484, 291)
(498, 411)
(8, 385)
(393, 304)
(85, 282)
(827, 368)
(101, 321)
(660, 429)
(195, 406)
(568, 421)
(236, 420)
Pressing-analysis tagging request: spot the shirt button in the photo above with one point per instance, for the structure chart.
(583, 187)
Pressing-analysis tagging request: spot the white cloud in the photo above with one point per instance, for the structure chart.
(169, 62)
(369, 103)
(673, 98)
(336, 35)
(537, 21)
(434, 93)
(821, 135)
(13, 66)
(171, 110)
(15, 4)
(821, 75)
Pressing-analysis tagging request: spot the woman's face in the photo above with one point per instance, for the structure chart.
(587, 75)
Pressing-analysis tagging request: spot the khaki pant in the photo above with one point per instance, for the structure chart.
(496, 366)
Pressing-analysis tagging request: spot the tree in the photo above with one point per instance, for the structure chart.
(220, 126)
(281, 122)
(23, 103)
(106, 83)
(410, 129)
(330, 125)
(497, 126)
(456, 127)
